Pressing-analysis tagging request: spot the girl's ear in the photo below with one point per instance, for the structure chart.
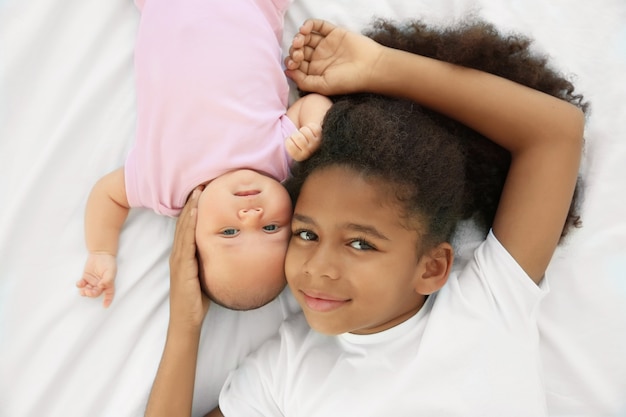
(434, 268)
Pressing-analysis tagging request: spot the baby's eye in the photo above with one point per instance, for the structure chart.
(230, 232)
(305, 235)
(270, 228)
(361, 244)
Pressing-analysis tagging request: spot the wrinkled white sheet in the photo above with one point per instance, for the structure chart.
(67, 117)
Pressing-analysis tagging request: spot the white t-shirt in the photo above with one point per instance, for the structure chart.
(472, 350)
(228, 337)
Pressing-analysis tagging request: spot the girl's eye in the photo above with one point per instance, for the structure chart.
(305, 235)
(361, 244)
(230, 232)
(270, 228)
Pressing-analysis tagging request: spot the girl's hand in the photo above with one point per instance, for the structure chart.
(188, 305)
(329, 60)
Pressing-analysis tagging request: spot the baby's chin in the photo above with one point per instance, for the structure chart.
(234, 180)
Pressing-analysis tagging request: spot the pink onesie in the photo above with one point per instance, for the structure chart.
(211, 97)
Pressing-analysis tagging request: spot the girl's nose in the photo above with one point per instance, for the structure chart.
(321, 263)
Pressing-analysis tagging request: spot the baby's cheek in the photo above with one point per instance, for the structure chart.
(201, 233)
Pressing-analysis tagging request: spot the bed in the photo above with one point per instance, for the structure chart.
(67, 117)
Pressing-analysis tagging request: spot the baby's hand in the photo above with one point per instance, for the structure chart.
(304, 142)
(99, 277)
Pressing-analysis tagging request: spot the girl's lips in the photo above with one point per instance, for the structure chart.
(322, 302)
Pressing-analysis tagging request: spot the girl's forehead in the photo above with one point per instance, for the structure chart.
(380, 190)
(348, 189)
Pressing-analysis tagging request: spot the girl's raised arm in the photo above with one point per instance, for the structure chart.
(542, 133)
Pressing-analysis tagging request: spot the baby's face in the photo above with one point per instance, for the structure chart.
(243, 230)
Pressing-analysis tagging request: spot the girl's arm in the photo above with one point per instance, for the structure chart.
(543, 133)
(106, 212)
(172, 391)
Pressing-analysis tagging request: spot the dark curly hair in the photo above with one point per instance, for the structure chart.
(396, 141)
(440, 170)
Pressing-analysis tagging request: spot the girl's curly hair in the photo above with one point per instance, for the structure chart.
(441, 170)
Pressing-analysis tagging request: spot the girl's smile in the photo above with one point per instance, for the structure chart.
(322, 302)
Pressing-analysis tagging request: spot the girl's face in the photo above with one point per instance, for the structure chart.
(351, 264)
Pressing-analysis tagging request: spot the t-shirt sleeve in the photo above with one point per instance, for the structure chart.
(496, 284)
(264, 382)
(248, 390)
(259, 386)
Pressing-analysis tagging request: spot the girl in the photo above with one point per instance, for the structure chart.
(392, 331)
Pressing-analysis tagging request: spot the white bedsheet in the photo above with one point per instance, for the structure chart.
(67, 117)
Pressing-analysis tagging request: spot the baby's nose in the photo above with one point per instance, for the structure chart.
(250, 214)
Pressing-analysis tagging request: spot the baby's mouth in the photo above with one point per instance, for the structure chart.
(247, 193)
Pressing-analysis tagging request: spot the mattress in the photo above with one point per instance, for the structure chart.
(67, 116)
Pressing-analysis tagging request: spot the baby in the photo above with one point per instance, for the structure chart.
(212, 112)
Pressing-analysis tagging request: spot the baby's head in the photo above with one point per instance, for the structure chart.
(242, 234)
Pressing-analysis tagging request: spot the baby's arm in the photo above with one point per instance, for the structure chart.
(543, 133)
(107, 209)
(307, 113)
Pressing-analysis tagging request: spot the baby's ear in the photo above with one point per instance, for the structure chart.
(434, 268)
